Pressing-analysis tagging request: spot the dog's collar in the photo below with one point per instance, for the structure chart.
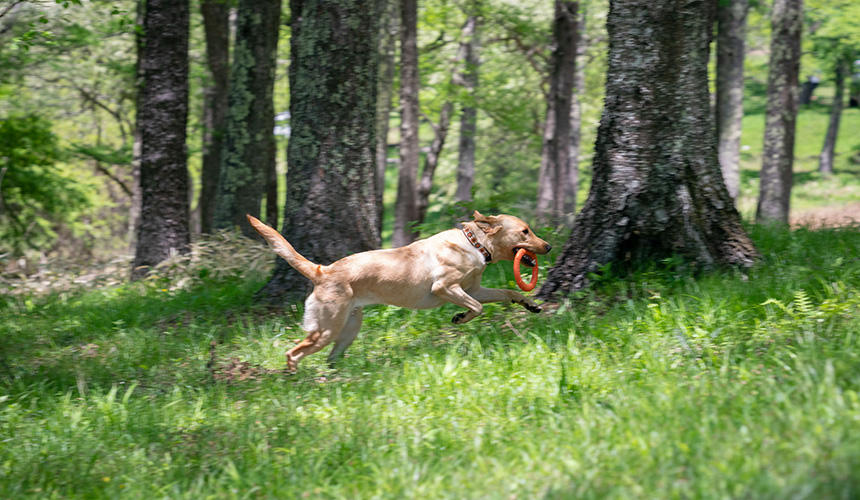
(475, 243)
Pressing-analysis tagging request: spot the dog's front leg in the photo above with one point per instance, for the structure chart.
(455, 294)
(485, 295)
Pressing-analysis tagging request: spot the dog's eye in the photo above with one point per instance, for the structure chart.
(526, 231)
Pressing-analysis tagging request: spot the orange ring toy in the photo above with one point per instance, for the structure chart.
(526, 287)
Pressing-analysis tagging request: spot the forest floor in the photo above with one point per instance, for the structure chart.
(664, 384)
(828, 216)
(667, 383)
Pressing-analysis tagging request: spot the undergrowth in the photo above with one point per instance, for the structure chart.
(740, 384)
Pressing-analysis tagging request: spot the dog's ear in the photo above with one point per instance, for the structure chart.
(489, 225)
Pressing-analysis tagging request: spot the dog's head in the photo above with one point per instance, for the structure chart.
(507, 234)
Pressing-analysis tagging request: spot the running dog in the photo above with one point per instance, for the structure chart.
(446, 267)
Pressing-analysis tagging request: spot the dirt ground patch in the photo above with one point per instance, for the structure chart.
(829, 216)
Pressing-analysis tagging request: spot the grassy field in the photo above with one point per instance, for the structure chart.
(660, 385)
(664, 385)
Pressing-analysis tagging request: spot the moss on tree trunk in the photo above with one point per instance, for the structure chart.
(249, 142)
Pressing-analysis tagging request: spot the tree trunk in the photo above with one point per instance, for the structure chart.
(470, 45)
(162, 112)
(330, 210)
(571, 186)
(731, 34)
(781, 114)
(657, 189)
(384, 94)
(405, 207)
(249, 142)
(552, 176)
(825, 161)
(431, 160)
(216, 24)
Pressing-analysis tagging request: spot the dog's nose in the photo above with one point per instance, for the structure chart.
(548, 247)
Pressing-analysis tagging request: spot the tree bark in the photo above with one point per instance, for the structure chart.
(431, 160)
(657, 190)
(781, 115)
(405, 207)
(384, 94)
(731, 36)
(216, 24)
(470, 45)
(249, 142)
(552, 176)
(825, 160)
(162, 112)
(330, 210)
(571, 186)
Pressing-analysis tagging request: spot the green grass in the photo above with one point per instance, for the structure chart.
(810, 189)
(663, 385)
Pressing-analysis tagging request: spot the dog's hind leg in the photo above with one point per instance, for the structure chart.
(314, 342)
(347, 335)
(324, 323)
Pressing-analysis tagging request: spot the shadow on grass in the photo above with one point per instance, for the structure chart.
(131, 333)
(159, 340)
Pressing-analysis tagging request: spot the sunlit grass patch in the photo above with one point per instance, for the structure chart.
(663, 384)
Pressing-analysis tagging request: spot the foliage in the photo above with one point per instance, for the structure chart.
(34, 194)
(665, 385)
(834, 37)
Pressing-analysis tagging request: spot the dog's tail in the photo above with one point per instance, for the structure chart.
(286, 251)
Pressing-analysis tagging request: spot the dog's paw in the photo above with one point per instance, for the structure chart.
(533, 307)
(458, 318)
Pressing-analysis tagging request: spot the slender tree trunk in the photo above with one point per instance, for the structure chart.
(552, 176)
(431, 160)
(405, 207)
(384, 95)
(216, 24)
(162, 112)
(781, 114)
(330, 210)
(731, 35)
(249, 143)
(571, 186)
(469, 114)
(657, 190)
(825, 160)
(136, 195)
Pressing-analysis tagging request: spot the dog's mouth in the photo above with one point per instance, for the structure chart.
(527, 260)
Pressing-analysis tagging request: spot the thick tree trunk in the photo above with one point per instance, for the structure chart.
(405, 207)
(468, 78)
(162, 112)
(216, 24)
(825, 160)
(657, 190)
(781, 114)
(552, 176)
(383, 101)
(731, 35)
(249, 142)
(331, 180)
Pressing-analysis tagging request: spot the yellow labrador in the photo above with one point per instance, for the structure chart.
(446, 267)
